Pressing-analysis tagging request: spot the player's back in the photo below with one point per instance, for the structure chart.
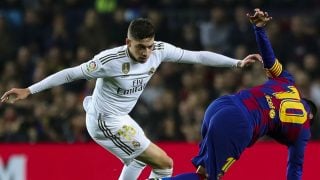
(276, 109)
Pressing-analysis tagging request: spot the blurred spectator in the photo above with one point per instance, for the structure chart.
(190, 37)
(25, 65)
(241, 32)
(42, 37)
(311, 65)
(7, 43)
(299, 41)
(92, 34)
(214, 33)
(32, 31)
(117, 28)
(161, 27)
(58, 35)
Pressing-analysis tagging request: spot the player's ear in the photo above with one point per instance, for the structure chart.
(128, 42)
(313, 116)
(310, 116)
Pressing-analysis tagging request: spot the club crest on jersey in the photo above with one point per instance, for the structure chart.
(125, 68)
(272, 113)
(136, 144)
(152, 70)
(91, 66)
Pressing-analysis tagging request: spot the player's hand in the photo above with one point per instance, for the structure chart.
(259, 18)
(252, 58)
(14, 95)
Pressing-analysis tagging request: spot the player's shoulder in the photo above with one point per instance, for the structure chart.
(109, 55)
(160, 46)
(286, 77)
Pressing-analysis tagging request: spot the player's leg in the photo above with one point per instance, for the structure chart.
(132, 170)
(119, 135)
(183, 176)
(198, 160)
(161, 163)
(228, 135)
(123, 137)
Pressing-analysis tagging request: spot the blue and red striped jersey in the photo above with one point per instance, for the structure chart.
(275, 108)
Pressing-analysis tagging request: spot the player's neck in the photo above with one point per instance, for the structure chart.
(131, 56)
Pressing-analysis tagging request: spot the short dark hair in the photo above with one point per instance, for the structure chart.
(314, 110)
(141, 28)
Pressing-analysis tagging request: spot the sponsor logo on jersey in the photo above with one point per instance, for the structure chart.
(137, 86)
(91, 66)
(125, 68)
(152, 70)
(272, 112)
(121, 91)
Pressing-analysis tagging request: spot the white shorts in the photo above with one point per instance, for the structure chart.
(120, 135)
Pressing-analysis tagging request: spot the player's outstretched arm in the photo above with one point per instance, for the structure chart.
(252, 58)
(61, 77)
(15, 94)
(217, 60)
(260, 19)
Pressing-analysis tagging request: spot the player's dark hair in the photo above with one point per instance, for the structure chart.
(314, 110)
(141, 28)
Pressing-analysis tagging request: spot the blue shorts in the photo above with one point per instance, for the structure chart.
(226, 133)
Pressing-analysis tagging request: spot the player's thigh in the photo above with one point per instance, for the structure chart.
(156, 157)
(122, 136)
(229, 133)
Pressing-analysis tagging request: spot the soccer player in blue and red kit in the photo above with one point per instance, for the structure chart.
(234, 122)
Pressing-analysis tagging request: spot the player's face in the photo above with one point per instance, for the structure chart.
(140, 49)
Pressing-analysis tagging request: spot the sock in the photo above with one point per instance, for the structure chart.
(160, 173)
(132, 171)
(184, 176)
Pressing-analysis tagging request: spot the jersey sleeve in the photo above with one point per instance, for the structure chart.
(175, 54)
(56, 79)
(170, 53)
(272, 65)
(296, 157)
(93, 68)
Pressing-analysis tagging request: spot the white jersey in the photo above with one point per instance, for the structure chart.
(121, 80)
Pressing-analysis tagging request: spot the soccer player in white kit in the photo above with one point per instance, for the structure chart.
(122, 73)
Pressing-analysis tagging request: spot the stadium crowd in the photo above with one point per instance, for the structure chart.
(40, 37)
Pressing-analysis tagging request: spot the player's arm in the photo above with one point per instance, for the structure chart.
(295, 159)
(259, 20)
(175, 54)
(61, 77)
(217, 60)
(88, 70)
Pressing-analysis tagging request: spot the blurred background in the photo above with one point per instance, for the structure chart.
(40, 37)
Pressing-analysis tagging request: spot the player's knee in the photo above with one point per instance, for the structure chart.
(156, 158)
(164, 162)
(160, 173)
(168, 164)
(163, 168)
